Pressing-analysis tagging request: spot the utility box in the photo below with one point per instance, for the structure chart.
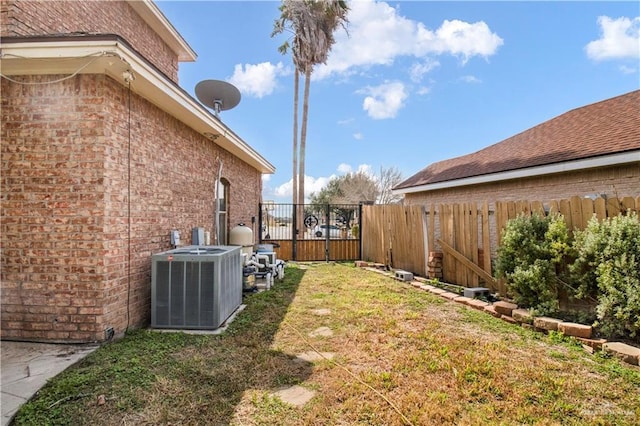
(197, 236)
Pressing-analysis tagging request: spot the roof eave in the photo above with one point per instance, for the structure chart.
(568, 166)
(152, 15)
(116, 59)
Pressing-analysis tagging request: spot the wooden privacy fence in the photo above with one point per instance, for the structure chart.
(467, 234)
(395, 236)
(577, 211)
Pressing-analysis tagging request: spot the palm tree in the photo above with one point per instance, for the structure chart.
(313, 23)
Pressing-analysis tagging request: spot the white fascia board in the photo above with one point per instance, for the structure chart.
(114, 58)
(568, 166)
(152, 15)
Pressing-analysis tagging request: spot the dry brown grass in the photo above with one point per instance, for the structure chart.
(402, 356)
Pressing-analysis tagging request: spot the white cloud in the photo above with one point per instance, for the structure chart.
(257, 80)
(628, 70)
(358, 136)
(311, 184)
(377, 34)
(620, 39)
(417, 71)
(344, 168)
(367, 169)
(384, 101)
(423, 90)
(266, 178)
(470, 79)
(461, 38)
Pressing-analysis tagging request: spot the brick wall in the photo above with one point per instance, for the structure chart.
(618, 181)
(73, 156)
(37, 18)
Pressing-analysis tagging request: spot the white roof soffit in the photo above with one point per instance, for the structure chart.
(115, 59)
(150, 13)
(569, 166)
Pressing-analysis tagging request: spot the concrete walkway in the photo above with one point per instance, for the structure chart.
(26, 367)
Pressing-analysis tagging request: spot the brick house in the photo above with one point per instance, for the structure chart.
(103, 154)
(594, 149)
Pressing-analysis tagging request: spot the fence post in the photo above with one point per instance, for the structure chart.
(294, 232)
(327, 218)
(360, 231)
(259, 223)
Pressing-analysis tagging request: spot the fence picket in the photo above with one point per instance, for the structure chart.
(587, 211)
(613, 207)
(486, 237)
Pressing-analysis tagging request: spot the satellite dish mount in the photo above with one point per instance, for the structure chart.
(218, 95)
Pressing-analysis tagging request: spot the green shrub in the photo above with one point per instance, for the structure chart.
(607, 267)
(530, 257)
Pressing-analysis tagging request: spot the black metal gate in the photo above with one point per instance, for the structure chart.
(308, 232)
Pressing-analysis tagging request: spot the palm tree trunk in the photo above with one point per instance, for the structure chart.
(303, 133)
(296, 85)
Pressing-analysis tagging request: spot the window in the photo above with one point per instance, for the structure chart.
(222, 208)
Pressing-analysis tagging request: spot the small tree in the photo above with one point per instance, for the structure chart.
(389, 177)
(344, 191)
(530, 257)
(351, 188)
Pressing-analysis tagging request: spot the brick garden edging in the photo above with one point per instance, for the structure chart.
(510, 312)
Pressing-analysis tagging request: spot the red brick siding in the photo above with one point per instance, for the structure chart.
(66, 274)
(618, 181)
(52, 205)
(37, 18)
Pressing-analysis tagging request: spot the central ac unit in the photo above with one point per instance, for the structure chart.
(195, 287)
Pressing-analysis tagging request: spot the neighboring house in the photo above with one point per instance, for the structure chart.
(591, 150)
(103, 155)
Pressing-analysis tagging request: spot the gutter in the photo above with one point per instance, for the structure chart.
(568, 166)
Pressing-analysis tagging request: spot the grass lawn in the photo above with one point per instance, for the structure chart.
(400, 356)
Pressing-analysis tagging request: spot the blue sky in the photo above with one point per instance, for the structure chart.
(413, 82)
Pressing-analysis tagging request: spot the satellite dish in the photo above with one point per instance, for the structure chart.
(218, 95)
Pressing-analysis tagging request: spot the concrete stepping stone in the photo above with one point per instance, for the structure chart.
(321, 332)
(321, 312)
(312, 356)
(295, 395)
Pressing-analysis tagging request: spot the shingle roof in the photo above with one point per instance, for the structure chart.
(608, 127)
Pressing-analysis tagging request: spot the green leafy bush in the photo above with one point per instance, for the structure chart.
(530, 258)
(607, 267)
